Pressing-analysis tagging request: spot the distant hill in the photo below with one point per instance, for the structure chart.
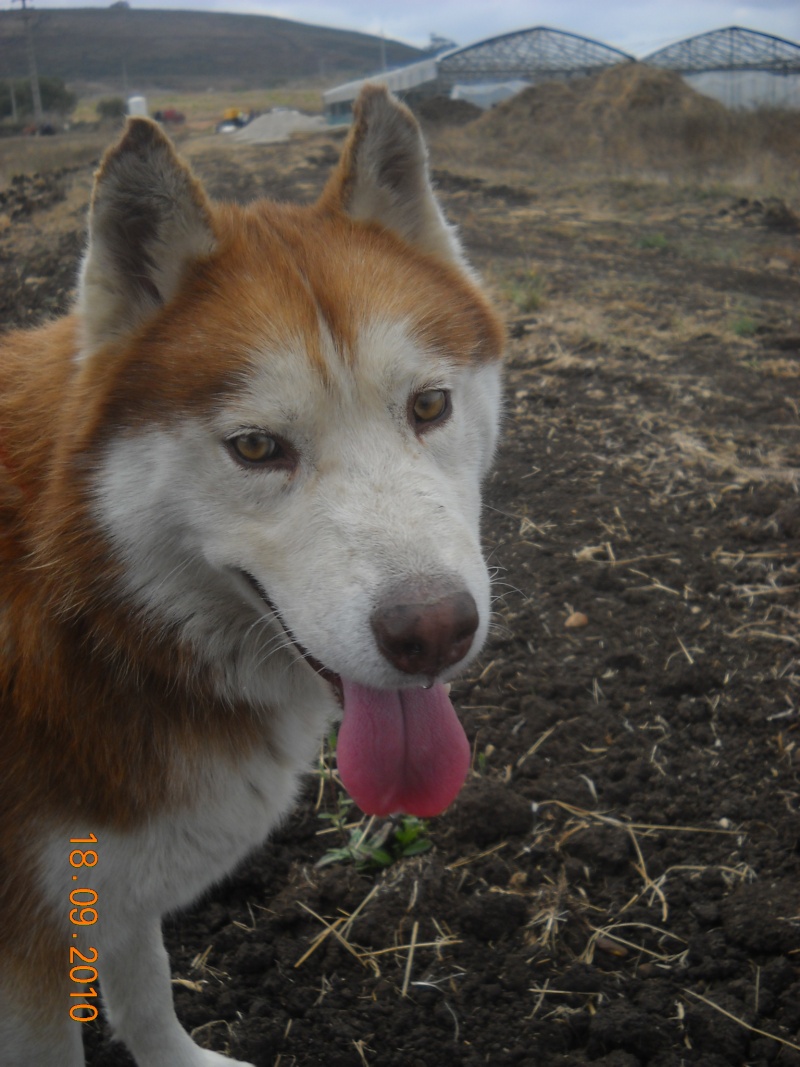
(188, 49)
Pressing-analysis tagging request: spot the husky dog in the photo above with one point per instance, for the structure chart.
(239, 496)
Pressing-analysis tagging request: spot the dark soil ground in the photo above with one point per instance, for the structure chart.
(619, 882)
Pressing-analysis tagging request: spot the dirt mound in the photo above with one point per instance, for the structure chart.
(612, 97)
(443, 111)
(634, 87)
(620, 109)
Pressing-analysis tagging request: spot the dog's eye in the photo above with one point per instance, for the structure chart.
(430, 406)
(255, 447)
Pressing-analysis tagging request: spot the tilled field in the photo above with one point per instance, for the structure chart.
(619, 882)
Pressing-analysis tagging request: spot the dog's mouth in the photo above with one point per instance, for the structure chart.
(397, 750)
(327, 675)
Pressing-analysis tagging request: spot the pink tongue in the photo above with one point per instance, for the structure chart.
(401, 750)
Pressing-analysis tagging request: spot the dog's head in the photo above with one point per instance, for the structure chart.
(291, 412)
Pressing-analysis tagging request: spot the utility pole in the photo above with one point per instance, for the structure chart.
(32, 71)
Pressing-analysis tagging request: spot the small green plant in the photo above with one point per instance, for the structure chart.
(653, 240)
(744, 326)
(398, 838)
(409, 838)
(526, 290)
(338, 819)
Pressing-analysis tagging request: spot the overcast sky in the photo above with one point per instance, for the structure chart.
(636, 26)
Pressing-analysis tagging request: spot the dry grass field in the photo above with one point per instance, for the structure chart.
(619, 882)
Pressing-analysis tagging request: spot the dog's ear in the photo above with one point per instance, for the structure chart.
(149, 220)
(383, 176)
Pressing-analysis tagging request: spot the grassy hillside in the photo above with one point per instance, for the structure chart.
(187, 49)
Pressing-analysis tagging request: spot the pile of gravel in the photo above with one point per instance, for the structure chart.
(278, 126)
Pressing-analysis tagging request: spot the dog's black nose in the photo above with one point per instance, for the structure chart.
(425, 628)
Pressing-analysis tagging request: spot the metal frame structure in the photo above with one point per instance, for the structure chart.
(531, 55)
(729, 49)
(543, 54)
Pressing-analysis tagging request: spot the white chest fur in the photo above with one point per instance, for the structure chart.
(167, 862)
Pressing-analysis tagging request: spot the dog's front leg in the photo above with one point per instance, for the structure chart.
(137, 993)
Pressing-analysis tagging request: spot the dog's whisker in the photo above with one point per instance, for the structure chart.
(262, 622)
(278, 643)
(512, 589)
